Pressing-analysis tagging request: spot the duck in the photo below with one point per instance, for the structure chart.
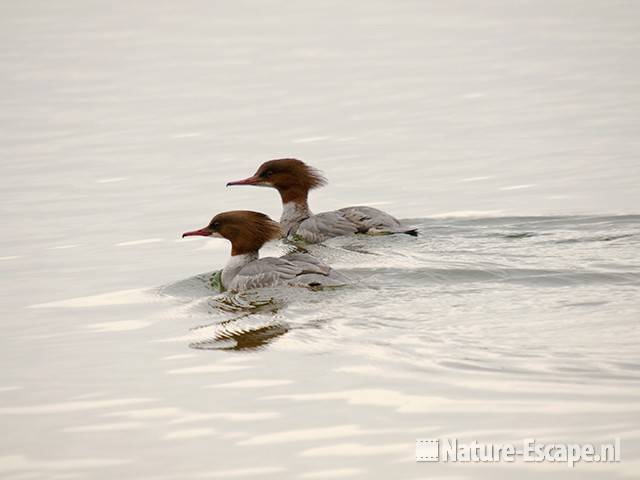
(248, 231)
(293, 179)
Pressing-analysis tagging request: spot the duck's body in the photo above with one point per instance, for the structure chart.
(248, 231)
(296, 270)
(293, 179)
(345, 221)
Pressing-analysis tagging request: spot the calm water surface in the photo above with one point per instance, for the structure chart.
(507, 132)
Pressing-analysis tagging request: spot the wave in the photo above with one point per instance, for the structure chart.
(538, 277)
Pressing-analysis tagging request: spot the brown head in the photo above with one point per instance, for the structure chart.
(247, 231)
(292, 178)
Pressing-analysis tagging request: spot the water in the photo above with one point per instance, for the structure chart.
(507, 132)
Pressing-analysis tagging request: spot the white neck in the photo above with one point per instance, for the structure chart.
(293, 213)
(235, 264)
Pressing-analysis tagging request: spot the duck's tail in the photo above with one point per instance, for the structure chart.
(393, 231)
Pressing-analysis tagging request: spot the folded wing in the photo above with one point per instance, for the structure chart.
(322, 226)
(347, 221)
(299, 269)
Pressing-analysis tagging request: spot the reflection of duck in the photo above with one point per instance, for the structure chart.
(248, 231)
(249, 339)
(253, 325)
(293, 179)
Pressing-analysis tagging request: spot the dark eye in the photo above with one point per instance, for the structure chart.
(267, 174)
(214, 225)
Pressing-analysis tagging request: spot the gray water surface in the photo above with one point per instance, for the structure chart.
(507, 132)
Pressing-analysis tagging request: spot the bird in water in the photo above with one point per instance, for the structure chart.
(248, 231)
(294, 179)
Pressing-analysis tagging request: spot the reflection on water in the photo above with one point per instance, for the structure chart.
(246, 320)
(248, 339)
(477, 329)
(447, 309)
